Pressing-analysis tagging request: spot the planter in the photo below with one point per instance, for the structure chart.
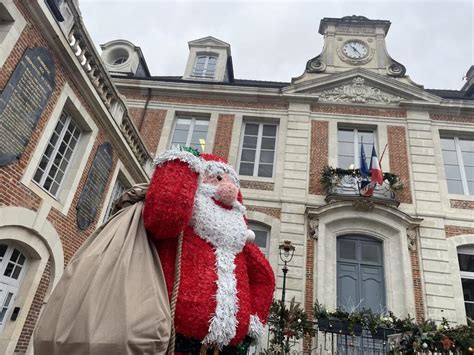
(383, 333)
(338, 326)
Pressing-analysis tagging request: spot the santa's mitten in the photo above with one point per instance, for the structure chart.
(170, 197)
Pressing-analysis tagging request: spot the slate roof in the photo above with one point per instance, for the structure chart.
(445, 94)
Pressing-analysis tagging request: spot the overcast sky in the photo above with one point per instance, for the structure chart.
(273, 40)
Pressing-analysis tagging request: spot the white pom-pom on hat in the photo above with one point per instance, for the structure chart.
(250, 236)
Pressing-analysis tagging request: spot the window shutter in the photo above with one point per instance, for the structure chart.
(372, 288)
(347, 285)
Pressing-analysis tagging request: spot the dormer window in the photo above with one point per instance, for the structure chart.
(205, 66)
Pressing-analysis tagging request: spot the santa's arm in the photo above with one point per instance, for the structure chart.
(170, 197)
(262, 286)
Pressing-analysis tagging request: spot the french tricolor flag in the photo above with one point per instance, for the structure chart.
(376, 175)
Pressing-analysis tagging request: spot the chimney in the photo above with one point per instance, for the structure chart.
(468, 87)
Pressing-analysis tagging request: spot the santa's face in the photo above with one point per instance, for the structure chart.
(217, 215)
(225, 188)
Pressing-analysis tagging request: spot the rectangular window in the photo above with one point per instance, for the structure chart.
(348, 146)
(458, 157)
(191, 132)
(205, 66)
(58, 154)
(118, 190)
(257, 156)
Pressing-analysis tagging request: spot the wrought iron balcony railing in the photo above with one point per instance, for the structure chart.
(344, 184)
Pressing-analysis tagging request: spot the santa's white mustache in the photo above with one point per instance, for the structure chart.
(210, 191)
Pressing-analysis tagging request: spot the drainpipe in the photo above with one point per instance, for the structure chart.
(142, 119)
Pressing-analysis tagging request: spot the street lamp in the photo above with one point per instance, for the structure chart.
(287, 250)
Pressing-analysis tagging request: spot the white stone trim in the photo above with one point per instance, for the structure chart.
(453, 243)
(119, 169)
(377, 224)
(39, 240)
(69, 101)
(273, 225)
(14, 31)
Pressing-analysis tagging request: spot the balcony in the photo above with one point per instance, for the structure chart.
(343, 185)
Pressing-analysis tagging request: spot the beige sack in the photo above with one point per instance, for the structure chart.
(112, 297)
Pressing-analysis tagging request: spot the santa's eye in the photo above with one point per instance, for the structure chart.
(219, 178)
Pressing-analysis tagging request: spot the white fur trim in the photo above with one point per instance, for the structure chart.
(175, 153)
(223, 325)
(250, 236)
(218, 168)
(224, 229)
(255, 328)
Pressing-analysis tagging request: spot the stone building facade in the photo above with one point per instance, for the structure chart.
(409, 251)
(68, 145)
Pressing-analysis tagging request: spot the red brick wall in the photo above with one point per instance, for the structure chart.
(452, 231)
(462, 204)
(398, 155)
(318, 156)
(271, 211)
(151, 128)
(417, 288)
(452, 118)
(256, 185)
(360, 111)
(256, 103)
(34, 311)
(13, 193)
(223, 136)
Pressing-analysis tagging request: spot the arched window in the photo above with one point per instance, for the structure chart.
(360, 274)
(466, 268)
(262, 236)
(12, 268)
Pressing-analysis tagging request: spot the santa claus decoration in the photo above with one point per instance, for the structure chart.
(225, 282)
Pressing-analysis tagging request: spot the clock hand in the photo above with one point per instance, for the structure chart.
(354, 48)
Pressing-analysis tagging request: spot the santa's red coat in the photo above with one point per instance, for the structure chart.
(168, 209)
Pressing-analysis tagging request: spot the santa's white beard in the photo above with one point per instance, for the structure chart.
(224, 228)
(226, 231)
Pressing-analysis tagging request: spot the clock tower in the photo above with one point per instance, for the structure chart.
(353, 42)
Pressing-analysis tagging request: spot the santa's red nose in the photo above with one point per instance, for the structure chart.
(227, 193)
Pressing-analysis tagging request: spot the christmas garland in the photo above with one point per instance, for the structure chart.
(329, 172)
(409, 337)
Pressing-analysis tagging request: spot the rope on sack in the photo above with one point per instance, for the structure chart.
(174, 294)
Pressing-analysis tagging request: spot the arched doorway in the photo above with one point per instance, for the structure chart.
(13, 264)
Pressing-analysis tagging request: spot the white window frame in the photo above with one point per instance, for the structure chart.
(114, 196)
(191, 129)
(70, 102)
(467, 250)
(59, 142)
(205, 68)
(14, 31)
(9, 284)
(462, 170)
(258, 148)
(256, 226)
(355, 132)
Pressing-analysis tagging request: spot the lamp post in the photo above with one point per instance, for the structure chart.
(287, 250)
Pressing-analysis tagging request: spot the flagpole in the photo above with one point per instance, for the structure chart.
(381, 157)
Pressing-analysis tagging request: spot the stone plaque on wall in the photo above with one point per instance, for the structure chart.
(23, 100)
(89, 201)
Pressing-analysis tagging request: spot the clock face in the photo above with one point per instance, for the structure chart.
(355, 50)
